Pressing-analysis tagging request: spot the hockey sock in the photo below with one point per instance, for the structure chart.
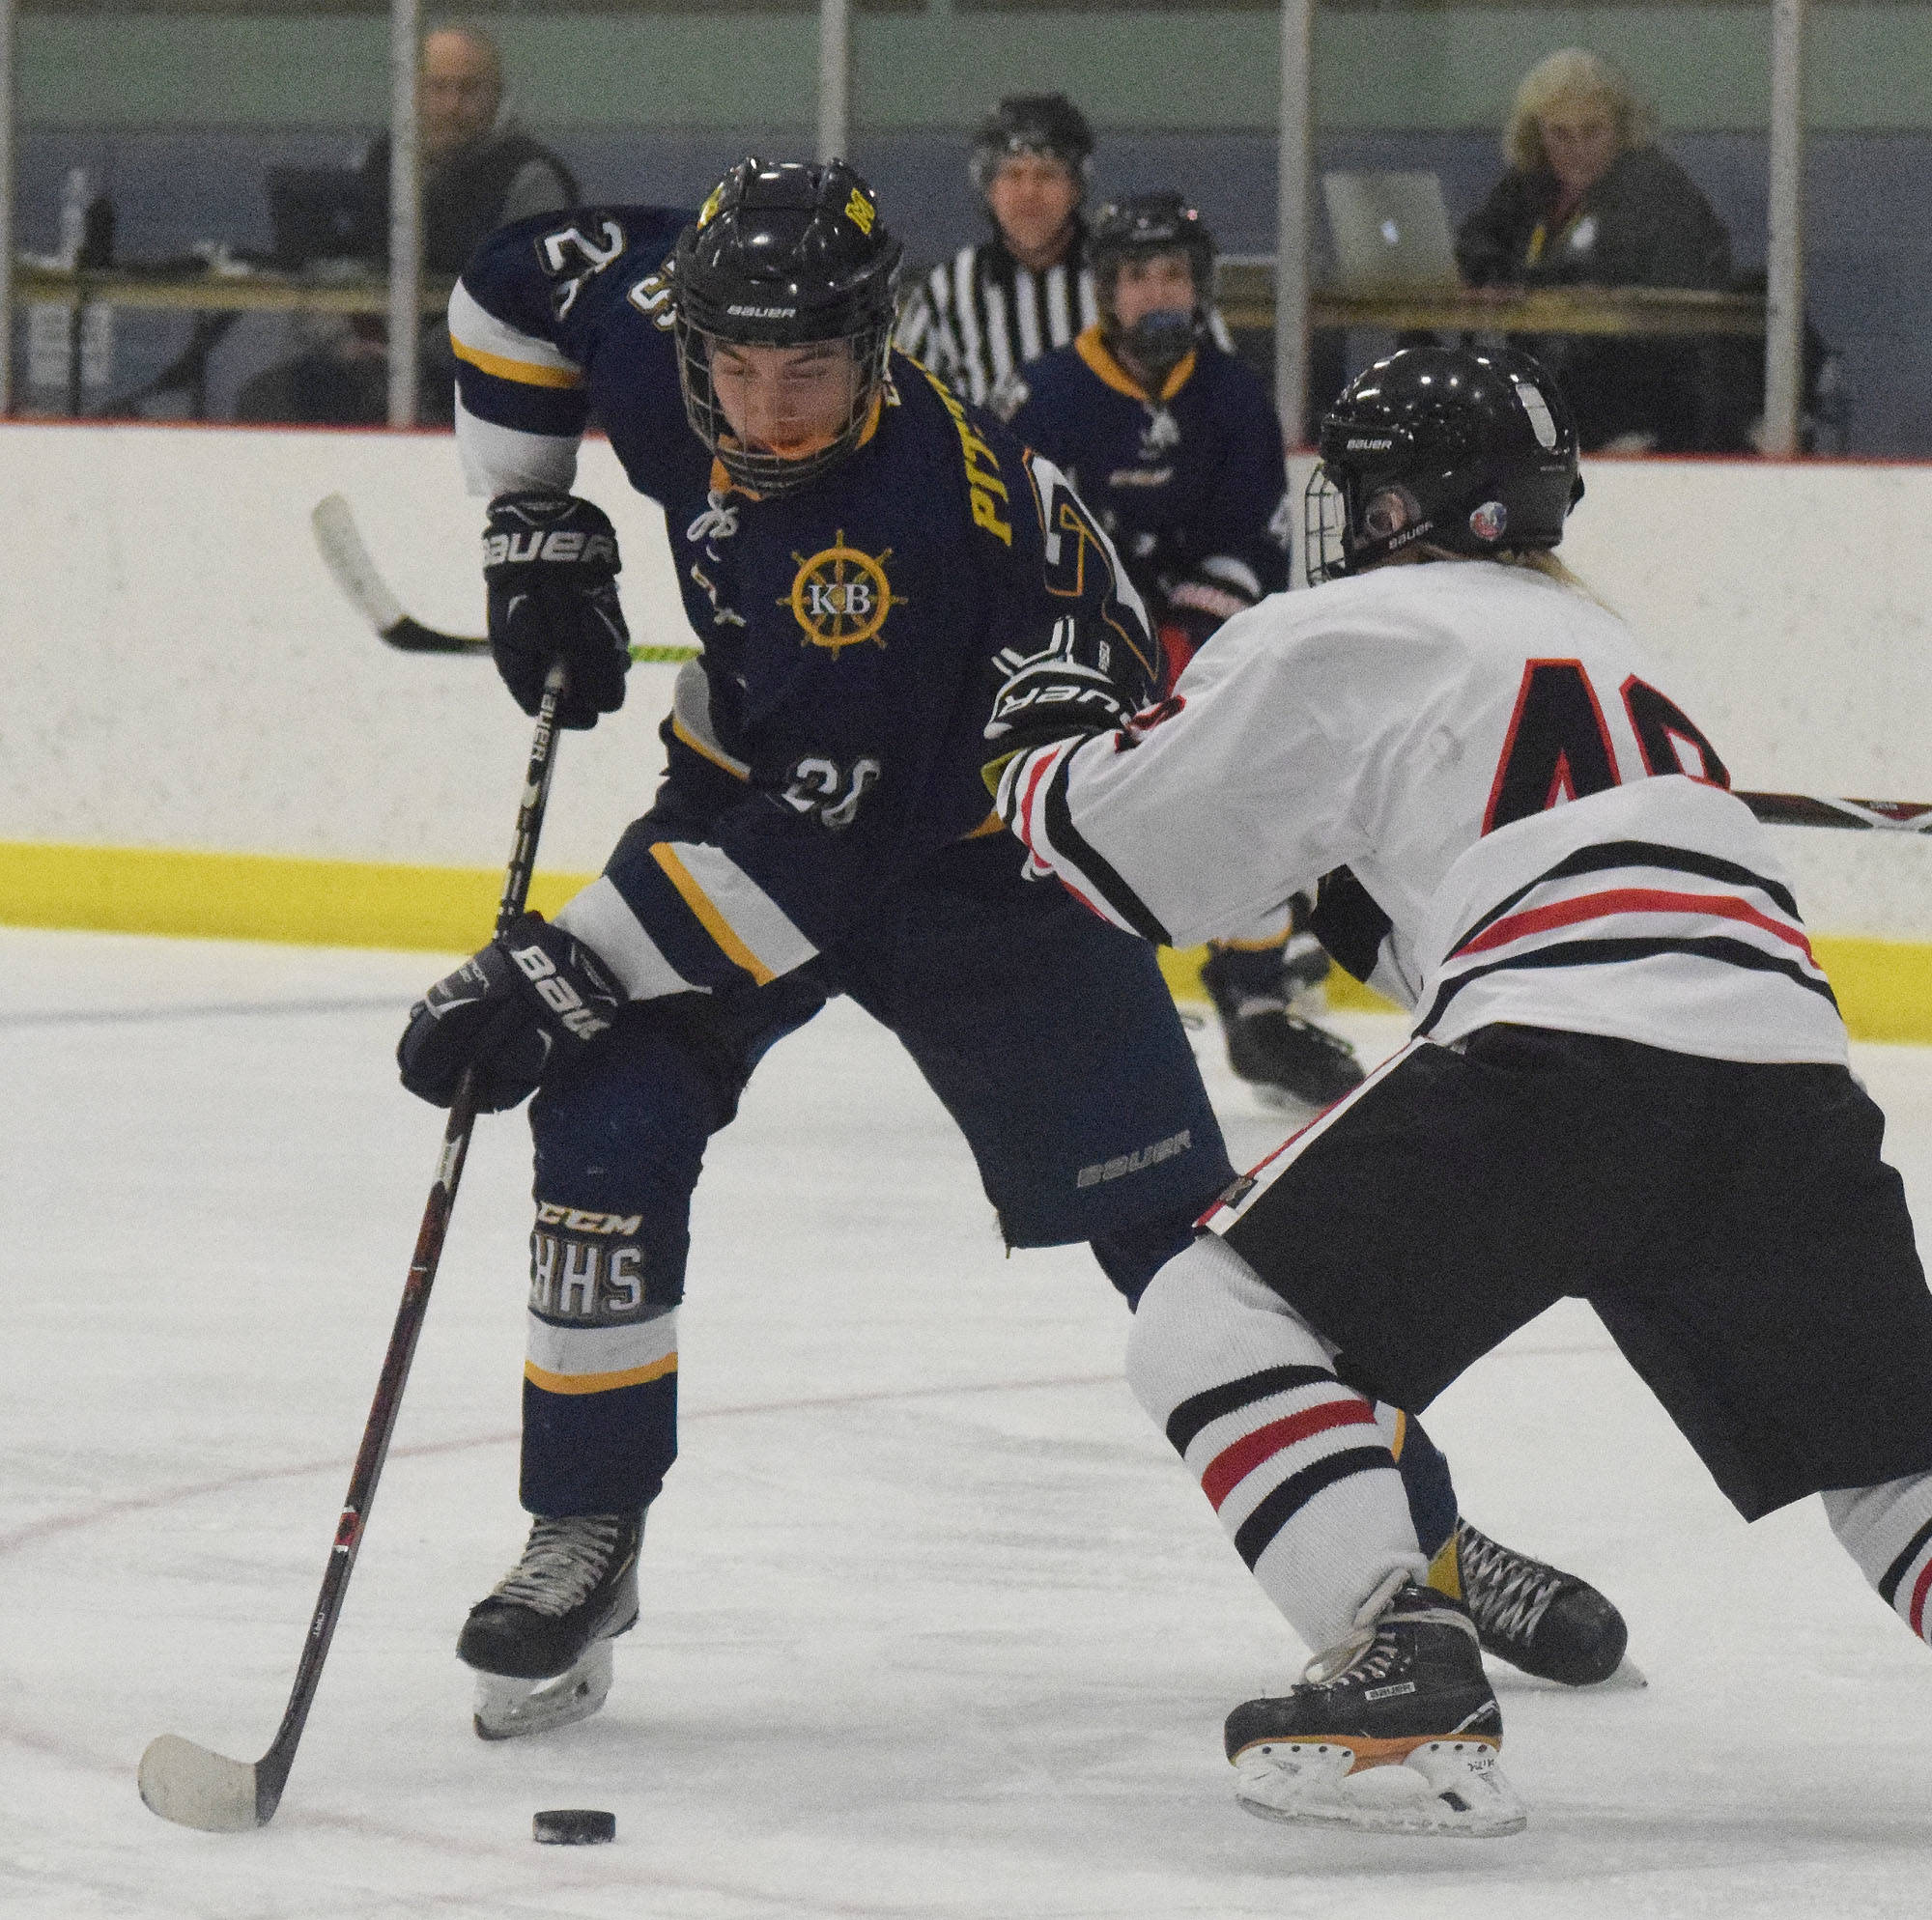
(1293, 1463)
(1888, 1530)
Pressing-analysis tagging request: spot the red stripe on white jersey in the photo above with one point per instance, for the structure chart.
(1632, 900)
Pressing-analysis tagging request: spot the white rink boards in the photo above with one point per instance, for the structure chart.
(935, 1623)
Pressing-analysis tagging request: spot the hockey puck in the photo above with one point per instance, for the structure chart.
(573, 1826)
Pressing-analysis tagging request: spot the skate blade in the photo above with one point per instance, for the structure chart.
(193, 1786)
(507, 1709)
(1627, 1676)
(1452, 1789)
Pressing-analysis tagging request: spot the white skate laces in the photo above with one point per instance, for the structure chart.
(562, 1562)
(1508, 1592)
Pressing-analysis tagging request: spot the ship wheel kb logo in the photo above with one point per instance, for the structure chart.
(841, 597)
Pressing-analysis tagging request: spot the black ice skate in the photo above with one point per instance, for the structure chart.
(1395, 1731)
(1284, 1056)
(541, 1642)
(1537, 1617)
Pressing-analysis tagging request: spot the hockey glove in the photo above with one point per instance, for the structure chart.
(549, 564)
(526, 999)
(1058, 693)
(1195, 609)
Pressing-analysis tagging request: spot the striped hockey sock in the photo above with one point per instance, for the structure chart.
(1294, 1463)
(1888, 1530)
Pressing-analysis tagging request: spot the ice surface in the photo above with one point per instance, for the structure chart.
(934, 1625)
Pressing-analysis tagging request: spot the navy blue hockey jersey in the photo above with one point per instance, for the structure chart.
(1190, 482)
(830, 739)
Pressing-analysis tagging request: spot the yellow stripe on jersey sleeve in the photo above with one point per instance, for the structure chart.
(526, 373)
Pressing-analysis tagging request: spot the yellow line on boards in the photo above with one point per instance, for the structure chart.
(258, 896)
(1885, 986)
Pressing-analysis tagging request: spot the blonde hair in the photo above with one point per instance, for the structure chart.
(1574, 74)
(1541, 560)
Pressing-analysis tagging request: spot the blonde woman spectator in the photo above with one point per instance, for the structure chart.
(1590, 200)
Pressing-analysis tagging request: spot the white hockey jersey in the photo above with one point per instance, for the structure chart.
(1547, 832)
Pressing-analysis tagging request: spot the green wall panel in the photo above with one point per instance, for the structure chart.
(1706, 67)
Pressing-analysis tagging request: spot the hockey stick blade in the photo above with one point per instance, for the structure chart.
(193, 1786)
(339, 540)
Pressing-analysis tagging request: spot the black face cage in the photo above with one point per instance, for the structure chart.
(767, 473)
(1325, 527)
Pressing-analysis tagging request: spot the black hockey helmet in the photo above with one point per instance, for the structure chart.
(1137, 227)
(1045, 124)
(784, 253)
(1470, 451)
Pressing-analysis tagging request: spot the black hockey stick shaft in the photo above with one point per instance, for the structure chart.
(271, 1771)
(1803, 809)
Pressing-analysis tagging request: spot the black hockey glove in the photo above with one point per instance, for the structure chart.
(1075, 686)
(1195, 609)
(505, 1014)
(549, 563)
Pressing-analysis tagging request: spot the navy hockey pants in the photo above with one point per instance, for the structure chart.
(1051, 1040)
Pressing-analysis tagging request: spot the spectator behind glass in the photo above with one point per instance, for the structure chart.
(479, 172)
(1589, 200)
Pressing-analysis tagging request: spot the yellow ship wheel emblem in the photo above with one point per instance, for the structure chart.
(841, 597)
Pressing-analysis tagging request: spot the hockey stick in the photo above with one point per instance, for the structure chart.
(1800, 809)
(340, 543)
(191, 1784)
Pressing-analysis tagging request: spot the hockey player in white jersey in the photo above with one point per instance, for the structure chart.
(1627, 1080)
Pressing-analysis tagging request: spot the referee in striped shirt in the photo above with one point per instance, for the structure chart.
(977, 317)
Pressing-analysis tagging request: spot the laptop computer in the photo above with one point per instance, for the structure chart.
(319, 213)
(1389, 230)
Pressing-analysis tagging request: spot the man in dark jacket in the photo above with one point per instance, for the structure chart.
(479, 172)
(1589, 200)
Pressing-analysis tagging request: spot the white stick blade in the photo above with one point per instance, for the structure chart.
(193, 1787)
(340, 543)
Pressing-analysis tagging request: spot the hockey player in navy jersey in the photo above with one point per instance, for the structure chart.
(859, 550)
(1175, 445)
(1627, 1080)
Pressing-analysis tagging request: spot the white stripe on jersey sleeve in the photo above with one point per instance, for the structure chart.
(1025, 783)
(497, 347)
(505, 460)
(601, 918)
